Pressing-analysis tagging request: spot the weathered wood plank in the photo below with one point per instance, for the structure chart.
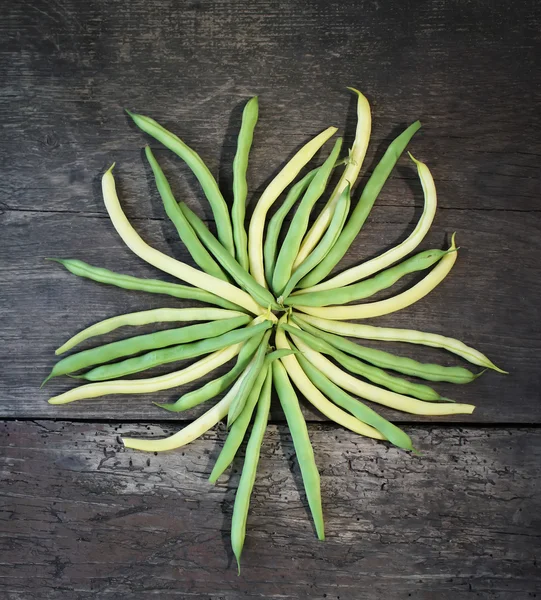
(82, 517)
(469, 72)
(489, 301)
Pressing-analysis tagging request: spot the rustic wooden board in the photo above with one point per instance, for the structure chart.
(81, 517)
(489, 301)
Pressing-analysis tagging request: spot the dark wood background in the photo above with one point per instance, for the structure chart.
(80, 516)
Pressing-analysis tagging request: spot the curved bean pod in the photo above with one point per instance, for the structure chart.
(152, 384)
(237, 431)
(200, 170)
(363, 207)
(275, 224)
(390, 432)
(240, 186)
(242, 277)
(247, 479)
(218, 385)
(386, 360)
(409, 336)
(140, 343)
(144, 317)
(369, 287)
(191, 432)
(398, 302)
(350, 174)
(301, 441)
(151, 286)
(299, 223)
(257, 365)
(398, 252)
(172, 354)
(163, 262)
(196, 249)
(326, 243)
(373, 374)
(315, 397)
(378, 395)
(270, 195)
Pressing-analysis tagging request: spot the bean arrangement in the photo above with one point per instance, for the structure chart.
(275, 315)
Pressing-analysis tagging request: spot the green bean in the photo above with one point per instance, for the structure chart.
(386, 360)
(242, 277)
(200, 170)
(218, 385)
(369, 287)
(373, 374)
(275, 223)
(353, 164)
(363, 207)
(151, 286)
(172, 354)
(247, 479)
(139, 343)
(299, 223)
(301, 441)
(382, 261)
(391, 432)
(240, 187)
(237, 431)
(269, 197)
(325, 244)
(192, 372)
(164, 262)
(144, 317)
(198, 252)
(240, 399)
(376, 394)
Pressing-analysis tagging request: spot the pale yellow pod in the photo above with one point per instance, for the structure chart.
(377, 394)
(398, 252)
(269, 197)
(166, 263)
(315, 397)
(192, 431)
(152, 384)
(398, 302)
(350, 175)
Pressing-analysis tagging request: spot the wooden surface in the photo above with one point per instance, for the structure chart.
(110, 523)
(83, 518)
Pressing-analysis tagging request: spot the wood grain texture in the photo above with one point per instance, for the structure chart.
(467, 70)
(488, 301)
(83, 518)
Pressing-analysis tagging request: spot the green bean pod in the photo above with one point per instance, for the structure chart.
(386, 360)
(363, 207)
(391, 432)
(194, 246)
(369, 287)
(247, 480)
(275, 224)
(151, 286)
(299, 224)
(242, 277)
(145, 317)
(301, 441)
(140, 343)
(237, 431)
(325, 244)
(373, 374)
(218, 385)
(200, 170)
(240, 186)
(172, 354)
(240, 399)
